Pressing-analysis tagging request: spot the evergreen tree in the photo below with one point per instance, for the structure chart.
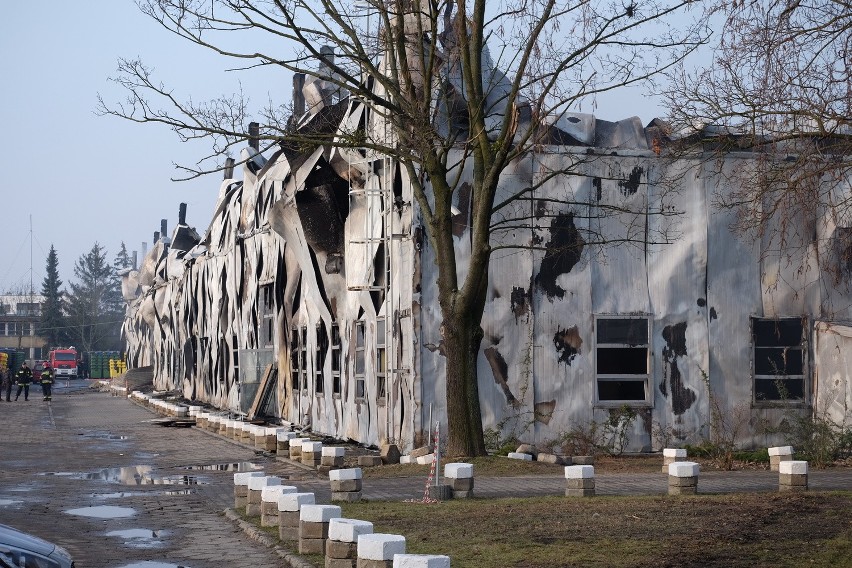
(122, 262)
(94, 321)
(52, 323)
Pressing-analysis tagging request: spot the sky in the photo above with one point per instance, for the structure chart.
(73, 178)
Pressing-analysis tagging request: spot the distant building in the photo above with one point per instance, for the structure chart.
(19, 317)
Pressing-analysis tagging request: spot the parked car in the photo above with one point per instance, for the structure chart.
(21, 550)
(38, 367)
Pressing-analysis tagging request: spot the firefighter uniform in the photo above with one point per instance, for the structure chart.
(24, 378)
(46, 382)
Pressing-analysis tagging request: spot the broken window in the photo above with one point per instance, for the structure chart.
(360, 345)
(335, 358)
(294, 359)
(319, 358)
(381, 359)
(622, 360)
(267, 315)
(779, 359)
(303, 357)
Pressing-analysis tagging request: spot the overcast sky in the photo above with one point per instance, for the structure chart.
(84, 178)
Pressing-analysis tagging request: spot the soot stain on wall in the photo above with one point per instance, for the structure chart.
(520, 301)
(682, 397)
(631, 185)
(564, 251)
(568, 343)
(500, 369)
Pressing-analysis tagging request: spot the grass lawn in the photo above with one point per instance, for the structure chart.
(733, 530)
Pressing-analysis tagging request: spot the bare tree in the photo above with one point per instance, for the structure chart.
(458, 86)
(779, 86)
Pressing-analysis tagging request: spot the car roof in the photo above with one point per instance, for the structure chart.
(13, 537)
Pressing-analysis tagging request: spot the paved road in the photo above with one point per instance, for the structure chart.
(90, 449)
(66, 455)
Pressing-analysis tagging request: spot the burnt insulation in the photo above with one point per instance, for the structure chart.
(631, 185)
(564, 251)
(682, 397)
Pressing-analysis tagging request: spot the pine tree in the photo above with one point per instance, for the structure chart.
(52, 323)
(122, 262)
(94, 322)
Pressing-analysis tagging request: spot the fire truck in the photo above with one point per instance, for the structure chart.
(63, 361)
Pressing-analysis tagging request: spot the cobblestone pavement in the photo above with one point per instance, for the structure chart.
(70, 454)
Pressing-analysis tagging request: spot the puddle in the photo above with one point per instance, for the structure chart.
(105, 436)
(120, 495)
(153, 564)
(180, 492)
(139, 538)
(103, 512)
(134, 475)
(238, 466)
(7, 502)
(132, 494)
(145, 455)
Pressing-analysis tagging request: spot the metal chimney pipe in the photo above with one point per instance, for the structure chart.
(135, 259)
(254, 135)
(229, 168)
(163, 227)
(182, 214)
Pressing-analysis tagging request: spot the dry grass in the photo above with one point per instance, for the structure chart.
(736, 530)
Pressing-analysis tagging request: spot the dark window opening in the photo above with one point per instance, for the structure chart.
(381, 360)
(319, 359)
(360, 346)
(622, 360)
(335, 358)
(779, 359)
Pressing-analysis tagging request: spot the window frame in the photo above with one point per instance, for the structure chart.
(360, 371)
(295, 372)
(381, 359)
(803, 347)
(645, 378)
(303, 357)
(336, 360)
(319, 358)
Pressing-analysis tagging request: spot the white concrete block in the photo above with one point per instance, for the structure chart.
(683, 469)
(333, 451)
(781, 451)
(674, 453)
(420, 561)
(380, 546)
(404, 459)
(793, 467)
(271, 493)
(292, 502)
(579, 472)
(425, 460)
(520, 456)
(348, 530)
(458, 470)
(345, 474)
(243, 477)
(319, 513)
(282, 436)
(258, 483)
(275, 430)
(311, 447)
(298, 441)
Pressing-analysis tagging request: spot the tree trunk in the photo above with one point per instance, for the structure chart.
(462, 337)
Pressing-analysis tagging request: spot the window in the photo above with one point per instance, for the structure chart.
(381, 360)
(267, 315)
(360, 341)
(303, 357)
(335, 358)
(294, 359)
(319, 358)
(622, 360)
(779, 359)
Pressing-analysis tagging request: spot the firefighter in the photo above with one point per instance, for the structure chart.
(25, 377)
(46, 382)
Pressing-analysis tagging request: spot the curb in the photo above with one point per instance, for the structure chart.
(292, 560)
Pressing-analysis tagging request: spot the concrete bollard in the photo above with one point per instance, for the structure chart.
(289, 505)
(579, 480)
(268, 439)
(460, 478)
(345, 484)
(296, 448)
(313, 527)
(311, 453)
(793, 475)
(369, 461)
(332, 456)
(779, 454)
(241, 487)
(421, 561)
(269, 503)
(683, 478)
(283, 439)
(341, 548)
(672, 455)
(246, 433)
(255, 494)
(229, 428)
(202, 420)
(377, 550)
(520, 456)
